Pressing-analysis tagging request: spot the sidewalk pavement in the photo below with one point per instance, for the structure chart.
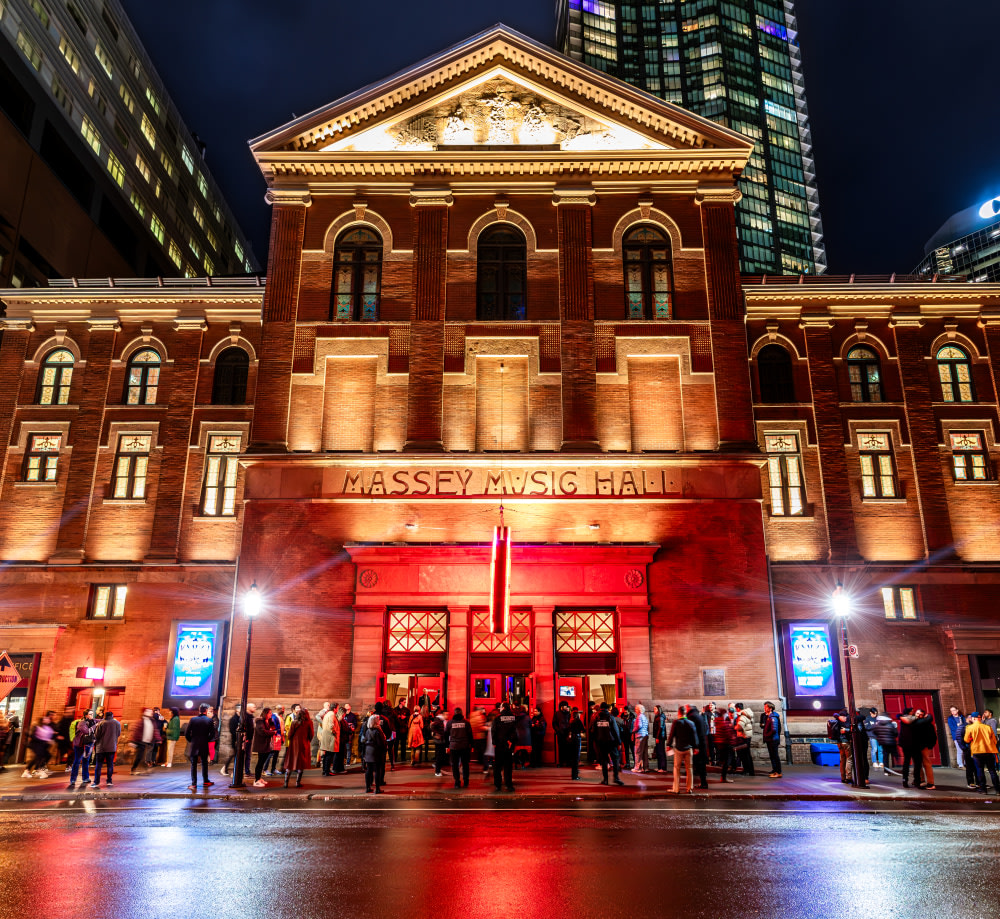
(799, 783)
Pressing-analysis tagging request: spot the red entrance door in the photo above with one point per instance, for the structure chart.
(897, 702)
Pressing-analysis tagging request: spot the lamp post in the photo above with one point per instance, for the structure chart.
(841, 602)
(251, 606)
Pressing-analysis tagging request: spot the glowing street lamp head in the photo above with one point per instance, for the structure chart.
(841, 601)
(252, 601)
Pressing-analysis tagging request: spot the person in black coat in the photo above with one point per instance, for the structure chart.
(560, 727)
(538, 727)
(699, 756)
(375, 745)
(608, 740)
(263, 734)
(199, 733)
(503, 732)
(573, 743)
(911, 752)
(459, 734)
(924, 736)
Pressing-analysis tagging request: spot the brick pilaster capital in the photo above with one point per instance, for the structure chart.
(296, 196)
(190, 324)
(425, 197)
(815, 322)
(19, 324)
(584, 195)
(906, 321)
(989, 319)
(543, 617)
(104, 324)
(717, 194)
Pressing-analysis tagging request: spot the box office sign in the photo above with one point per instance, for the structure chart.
(194, 662)
(812, 666)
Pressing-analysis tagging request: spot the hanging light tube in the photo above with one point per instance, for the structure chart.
(500, 581)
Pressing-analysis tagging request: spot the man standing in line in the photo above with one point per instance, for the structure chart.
(660, 738)
(699, 754)
(956, 730)
(199, 733)
(925, 739)
(840, 732)
(350, 720)
(708, 715)
(459, 741)
(682, 740)
(106, 736)
(401, 716)
(607, 740)
(911, 751)
(744, 737)
(503, 740)
(772, 738)
(573, 743)
(640, 736)
(983, 746)
(560, 727)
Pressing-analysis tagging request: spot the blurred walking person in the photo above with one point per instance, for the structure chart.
(83, 742)
(40, 745)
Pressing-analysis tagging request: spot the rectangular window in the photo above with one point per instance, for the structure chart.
(209, 265)
(153, 101)
(107, 601)
(137, 203)
(42, 458)
(72, 58)
(899, 602)
(43, 17)
(131, 466)
(187, 159)
(126, 98)
(202, 185)
(175, 254)
(167, 164)
(585, 631)
(62, 97)
(784, 474)
(142, 166)
(878, 472)
(221, 467)
(417, 630)
(88, 130)
(156, 228)
(103, 59)
(199, 217)
(148, 131)
(969, 460)
(116, 169)
(30, 50)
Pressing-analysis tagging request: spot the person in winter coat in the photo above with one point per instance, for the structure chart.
(489, 749)
(574, 742)
(956, 730)
(504, 733)
(415, 736)
(200, 733)
(983, 749)
(912, 753)
(725, 740)
(144, 735)
(300, 735)
(709, 714)
(263, 734)
(699, 756)
(401, 717)
(460, 747)
(887, 735)
(659, 732)
(607, 739)
(522, 737)
(83, 742)
(682, 740)
(329, 737)
(106, 735)
(374, 745)
(743, 725)
(560, 727)
(439, 736)
(477, 718)
(874, 748)
(772, 738)
(925, 740)
(971, 776)
(640, 739)
(172, 733)
(538, 728)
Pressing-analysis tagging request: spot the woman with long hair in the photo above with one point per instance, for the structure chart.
(300, 735)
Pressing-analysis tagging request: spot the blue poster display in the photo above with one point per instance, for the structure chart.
(194, 661)
(812, 666)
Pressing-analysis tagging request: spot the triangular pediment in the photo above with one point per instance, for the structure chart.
(499, 90)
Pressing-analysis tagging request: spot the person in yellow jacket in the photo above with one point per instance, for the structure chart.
(983, 746)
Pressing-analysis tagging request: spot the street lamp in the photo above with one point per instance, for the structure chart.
(841, 603)
(251, 606)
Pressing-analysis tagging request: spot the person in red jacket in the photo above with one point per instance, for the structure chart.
(725, 740)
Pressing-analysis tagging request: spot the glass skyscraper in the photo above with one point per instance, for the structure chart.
(734, 62)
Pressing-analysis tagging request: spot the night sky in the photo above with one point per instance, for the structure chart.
(902, 96)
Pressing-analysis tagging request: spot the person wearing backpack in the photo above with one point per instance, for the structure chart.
(82, 733)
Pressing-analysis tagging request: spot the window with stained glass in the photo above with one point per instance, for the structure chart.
(131, 466)
(143, 377)
(878, 472)
(418, 630)
(955, 373)
(55, 378)
(41, 459)
(784, 474)
(221, 468)
(585, 631)
(899, 602)
(648, 273)
(865, 375)
(970, 461)
(517, 640)
(501, 273)
(357, 275)
(107, 601)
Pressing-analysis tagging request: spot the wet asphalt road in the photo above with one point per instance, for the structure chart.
(418, 859)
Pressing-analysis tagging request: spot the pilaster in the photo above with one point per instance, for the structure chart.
(636, 652)
(459, 622)
(367, 649)
(543, 663)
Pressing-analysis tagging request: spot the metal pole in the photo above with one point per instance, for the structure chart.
(240, 731)
(855, 768)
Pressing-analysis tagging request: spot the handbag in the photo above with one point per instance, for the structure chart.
(276, 742)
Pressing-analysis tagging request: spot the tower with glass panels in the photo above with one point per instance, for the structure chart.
(735, 62)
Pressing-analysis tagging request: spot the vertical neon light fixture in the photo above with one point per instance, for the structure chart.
(500, 580)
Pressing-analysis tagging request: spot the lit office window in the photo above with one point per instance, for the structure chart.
(107, 601)
(156, 228)
(72, 58)
(153, 101)
(103, 59)
(126, 97)
(899, 602)
(116, 169)
(137, 203)
(148, 131)
(174, 252)
(30, 50)
(89, 132)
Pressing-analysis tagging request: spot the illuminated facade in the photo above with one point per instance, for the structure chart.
(500, 279)
(967, 246)
(737, 64)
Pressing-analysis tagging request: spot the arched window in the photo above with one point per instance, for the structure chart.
(864, 374)
(357, 275)
(229, 386)
(774, 371)
(648, 275)
(57, 373)
(955, 373)
(143, 377)
(502, 273)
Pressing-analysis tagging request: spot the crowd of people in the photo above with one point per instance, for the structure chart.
(510, 736)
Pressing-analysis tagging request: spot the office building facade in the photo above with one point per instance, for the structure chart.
(738, 64)
(966, 246)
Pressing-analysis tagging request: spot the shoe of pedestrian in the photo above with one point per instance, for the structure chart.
(458, 785)
(223, 772)
(437, 775)
(108, 783)
(206, 784)
(604, 781)
(288, 775)
(929, 787)
(379, 791)
(27, 774)
(71, 786)
(260, 783)
(93, 785)
(509, 787)
(906, 784)
(368, 791)
(619, 782)
(298, 784)
(729, 781)
(42, 774)
(193, 787)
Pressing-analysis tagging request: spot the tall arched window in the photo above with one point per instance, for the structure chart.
(502, 273)
(143, 377)
(648, 274)
(357, 275)
(774, 371)
(229, 386)
(56, 375)
(865, 375)
(955, 373)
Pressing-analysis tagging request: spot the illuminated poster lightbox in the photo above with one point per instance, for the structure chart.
(193, 663)
(812, 666)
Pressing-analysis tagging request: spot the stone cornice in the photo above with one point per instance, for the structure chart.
(288, 196)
